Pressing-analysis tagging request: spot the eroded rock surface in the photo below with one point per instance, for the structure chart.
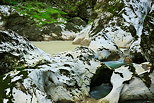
(16, 52)
(69, 76)
(40, 78)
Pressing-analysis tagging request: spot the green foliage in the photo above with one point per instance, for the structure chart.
(70, 6)
(10, 2)
(41, 13)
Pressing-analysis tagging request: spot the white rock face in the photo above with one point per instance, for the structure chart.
(66, 78)
(103, 46)
(18, 46)
(25, 91)
(121, 37)
(135, 47)
(82, 37)
(63, 77)
(117, 30)
(135, 13)
(66, 34)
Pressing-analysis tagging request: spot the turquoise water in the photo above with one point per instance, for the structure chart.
(114, 64)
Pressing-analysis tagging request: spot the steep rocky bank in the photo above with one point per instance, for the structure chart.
(122, 34)
(37, 25)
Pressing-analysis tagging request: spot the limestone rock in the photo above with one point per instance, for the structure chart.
(16, 52)
(130, 83)
(104, 47)
(82, 37)
(65, 77)
(142, 46)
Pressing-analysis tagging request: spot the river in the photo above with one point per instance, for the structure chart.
(54, 47)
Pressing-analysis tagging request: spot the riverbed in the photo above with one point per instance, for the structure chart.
(54, 47)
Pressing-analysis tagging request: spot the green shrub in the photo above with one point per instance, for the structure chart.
(41, 13)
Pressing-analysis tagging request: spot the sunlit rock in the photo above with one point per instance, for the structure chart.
(104, 47)
(82, 38)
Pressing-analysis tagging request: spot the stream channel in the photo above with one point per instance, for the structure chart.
(54, 47)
